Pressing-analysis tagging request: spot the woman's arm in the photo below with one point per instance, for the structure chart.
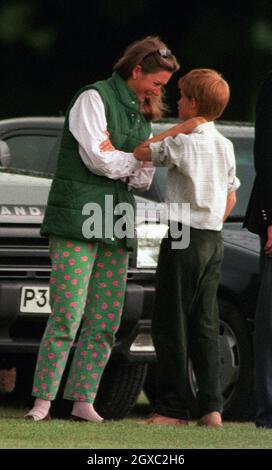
(87, 123)
(142, 177)
(142, 151)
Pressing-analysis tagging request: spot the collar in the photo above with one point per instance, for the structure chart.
(205, 127)
(126, 95)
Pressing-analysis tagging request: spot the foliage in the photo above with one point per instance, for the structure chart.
(50, 49)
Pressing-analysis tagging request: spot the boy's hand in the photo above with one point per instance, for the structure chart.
(231, 201)
(268, 245)
(142, 152)
(106, 145)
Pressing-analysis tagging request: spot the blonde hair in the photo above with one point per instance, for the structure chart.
(153, 56)
(209, 89)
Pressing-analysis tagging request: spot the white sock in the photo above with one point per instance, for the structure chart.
(40, 409)
(86, 411)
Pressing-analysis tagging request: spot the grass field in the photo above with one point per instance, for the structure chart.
(16, 433)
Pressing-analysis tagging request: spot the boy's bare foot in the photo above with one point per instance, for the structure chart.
(212, 419)
(165, 420)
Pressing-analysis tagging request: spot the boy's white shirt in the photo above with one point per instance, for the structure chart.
(201, 171)
(88, 124)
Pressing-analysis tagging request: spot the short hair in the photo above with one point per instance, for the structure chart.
(210, 90)
(153, 56)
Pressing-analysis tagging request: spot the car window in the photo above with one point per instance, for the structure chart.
(32, 152)
(243, 147)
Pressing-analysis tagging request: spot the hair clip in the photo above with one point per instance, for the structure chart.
(164, 52)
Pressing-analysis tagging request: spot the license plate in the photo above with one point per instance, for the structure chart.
(35, 300)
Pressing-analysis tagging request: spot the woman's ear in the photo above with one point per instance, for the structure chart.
(136, 72)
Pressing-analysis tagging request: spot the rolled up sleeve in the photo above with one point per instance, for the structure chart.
(167, 153)
(233, 183)
(87, 123)
(142, 178)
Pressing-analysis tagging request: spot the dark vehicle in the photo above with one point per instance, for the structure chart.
(28, 153)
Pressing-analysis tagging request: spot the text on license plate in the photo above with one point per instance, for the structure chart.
(35, 300)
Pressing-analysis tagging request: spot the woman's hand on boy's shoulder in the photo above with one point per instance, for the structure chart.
(186, 127)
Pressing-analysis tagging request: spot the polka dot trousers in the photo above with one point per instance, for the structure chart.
(87, 285)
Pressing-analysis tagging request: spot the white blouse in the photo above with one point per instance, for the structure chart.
(88, 124)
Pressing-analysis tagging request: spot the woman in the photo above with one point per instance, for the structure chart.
(89, 259)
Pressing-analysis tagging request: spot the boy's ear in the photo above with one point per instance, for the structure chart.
(194, 103)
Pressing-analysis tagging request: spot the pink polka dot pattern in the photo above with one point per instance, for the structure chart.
(87, 285)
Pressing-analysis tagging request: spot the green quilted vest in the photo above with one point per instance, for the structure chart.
(74, 185)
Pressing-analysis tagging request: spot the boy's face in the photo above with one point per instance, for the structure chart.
(187, 107)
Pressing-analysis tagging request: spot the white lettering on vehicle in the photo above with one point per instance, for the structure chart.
(21, 210)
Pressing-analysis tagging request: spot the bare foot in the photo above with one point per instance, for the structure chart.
(212, 419)
(165, 421)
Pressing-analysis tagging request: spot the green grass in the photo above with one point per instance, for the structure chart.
(17, 433)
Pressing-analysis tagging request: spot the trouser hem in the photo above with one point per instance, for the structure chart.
(71, 398)
(204, 410)
(43, 397)
(170, 413)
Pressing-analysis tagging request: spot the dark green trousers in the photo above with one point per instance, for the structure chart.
(186, 324)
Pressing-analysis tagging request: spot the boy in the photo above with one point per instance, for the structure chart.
(185, 322)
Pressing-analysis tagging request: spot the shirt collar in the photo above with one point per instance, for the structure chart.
(206, 126)
(126, 95)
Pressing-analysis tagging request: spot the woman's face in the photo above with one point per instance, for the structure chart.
(146, 85)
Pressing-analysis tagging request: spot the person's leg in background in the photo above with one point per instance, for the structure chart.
(263, 347)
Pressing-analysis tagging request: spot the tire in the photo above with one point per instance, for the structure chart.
(119, 388)
(236, 357)
(237, 385)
